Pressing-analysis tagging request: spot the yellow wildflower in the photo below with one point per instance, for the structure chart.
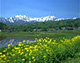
(25, 54)
(16, 47)
(39, 40)
(0, 53)
(33, 57)
(3, 55)
(19, 51)
(13, 54)
(9, 45)
(13, 50)
(30, 62)
(44, 56)
(23, 59)
(19, 44)
(24, 41)
(22, 53)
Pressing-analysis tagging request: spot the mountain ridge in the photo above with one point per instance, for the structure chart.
(18, 19)
(25, 19)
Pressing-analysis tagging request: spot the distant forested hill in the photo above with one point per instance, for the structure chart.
(2, 26)
(68, 24)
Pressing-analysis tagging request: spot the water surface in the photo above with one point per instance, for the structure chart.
(13, 40)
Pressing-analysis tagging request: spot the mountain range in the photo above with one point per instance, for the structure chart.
(18, 19)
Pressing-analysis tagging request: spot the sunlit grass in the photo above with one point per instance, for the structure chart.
(42, 50)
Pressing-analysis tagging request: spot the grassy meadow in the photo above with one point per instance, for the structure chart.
(52, 34)
(48, 47)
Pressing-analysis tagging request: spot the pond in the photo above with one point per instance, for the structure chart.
(14, 37)
(4, 41)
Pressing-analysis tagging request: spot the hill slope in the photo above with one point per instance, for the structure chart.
(46, 26)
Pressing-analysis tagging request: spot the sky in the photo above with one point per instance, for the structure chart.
(40, 8)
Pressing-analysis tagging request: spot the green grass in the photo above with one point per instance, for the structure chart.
(71, 60)
(44, 51)
(52, 34)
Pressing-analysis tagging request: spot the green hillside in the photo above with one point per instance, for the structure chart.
(68, 24)
(2, 26)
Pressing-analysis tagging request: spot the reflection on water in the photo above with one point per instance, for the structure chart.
(13, 40)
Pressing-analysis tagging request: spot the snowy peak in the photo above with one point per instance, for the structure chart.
(59, 19)
(21, 17)
(24, 19)
(42, 19)
(48, 18)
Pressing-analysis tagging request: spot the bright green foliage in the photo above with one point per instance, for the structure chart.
(41, 51)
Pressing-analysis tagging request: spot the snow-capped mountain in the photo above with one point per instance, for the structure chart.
(58, 19)
(25, 19)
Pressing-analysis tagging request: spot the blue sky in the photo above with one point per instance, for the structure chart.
(40, 8)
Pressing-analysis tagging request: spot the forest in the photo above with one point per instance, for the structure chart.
(69, 24)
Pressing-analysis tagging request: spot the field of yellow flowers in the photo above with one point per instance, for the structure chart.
(41, 51)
